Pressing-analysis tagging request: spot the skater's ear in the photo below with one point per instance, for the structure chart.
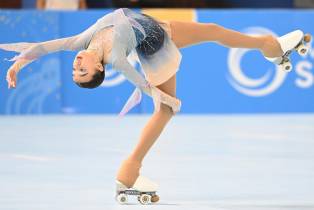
(100, 67)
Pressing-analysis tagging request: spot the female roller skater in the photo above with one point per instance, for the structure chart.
(111, 39)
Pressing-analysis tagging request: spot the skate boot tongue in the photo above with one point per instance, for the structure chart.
(143, 184)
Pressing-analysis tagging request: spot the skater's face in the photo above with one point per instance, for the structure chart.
(85, 65)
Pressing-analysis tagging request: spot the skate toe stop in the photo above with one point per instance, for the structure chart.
(155, 198)
(307, 37)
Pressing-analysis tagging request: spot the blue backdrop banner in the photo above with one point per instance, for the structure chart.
(212, 78)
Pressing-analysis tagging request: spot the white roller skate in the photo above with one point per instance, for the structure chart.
(143, 188)
(295, 40)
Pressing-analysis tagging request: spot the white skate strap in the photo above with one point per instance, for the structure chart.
(143, 184)
(276, 60)
(290, 40)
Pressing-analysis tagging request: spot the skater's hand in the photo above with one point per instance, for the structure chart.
(12, 77)
(147, 87)
(14, 70)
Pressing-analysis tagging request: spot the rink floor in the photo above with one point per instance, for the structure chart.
(212, 162)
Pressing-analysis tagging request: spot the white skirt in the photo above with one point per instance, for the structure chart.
(165, 62)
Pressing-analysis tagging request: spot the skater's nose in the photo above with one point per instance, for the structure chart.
(79, 62)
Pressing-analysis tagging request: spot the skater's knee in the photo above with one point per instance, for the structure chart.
(214, 30)
(165, 111)
(212, 26)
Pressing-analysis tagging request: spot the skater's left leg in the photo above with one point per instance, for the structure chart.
(129, 170)
(190, 33)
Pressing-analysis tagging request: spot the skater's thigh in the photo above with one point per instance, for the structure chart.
(168, 87)
(190, 33)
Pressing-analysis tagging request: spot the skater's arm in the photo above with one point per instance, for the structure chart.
(122, 65)
(32, 51)
(36, 50)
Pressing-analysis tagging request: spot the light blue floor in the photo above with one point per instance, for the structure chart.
(209, 162)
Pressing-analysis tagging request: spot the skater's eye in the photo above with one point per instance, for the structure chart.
(81, 72)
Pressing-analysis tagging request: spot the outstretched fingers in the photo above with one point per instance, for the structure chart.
(11, 78)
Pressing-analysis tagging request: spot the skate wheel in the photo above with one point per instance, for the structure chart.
(287, 66)
(145, 199)
(154, 199)
(307, 37)
(122, 198)
(303, 50)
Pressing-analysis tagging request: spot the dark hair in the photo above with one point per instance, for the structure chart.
(97, 79)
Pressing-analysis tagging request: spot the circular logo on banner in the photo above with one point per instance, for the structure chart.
(113, 77)
(267, 84)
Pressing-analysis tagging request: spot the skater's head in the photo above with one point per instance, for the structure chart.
(88, 70)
